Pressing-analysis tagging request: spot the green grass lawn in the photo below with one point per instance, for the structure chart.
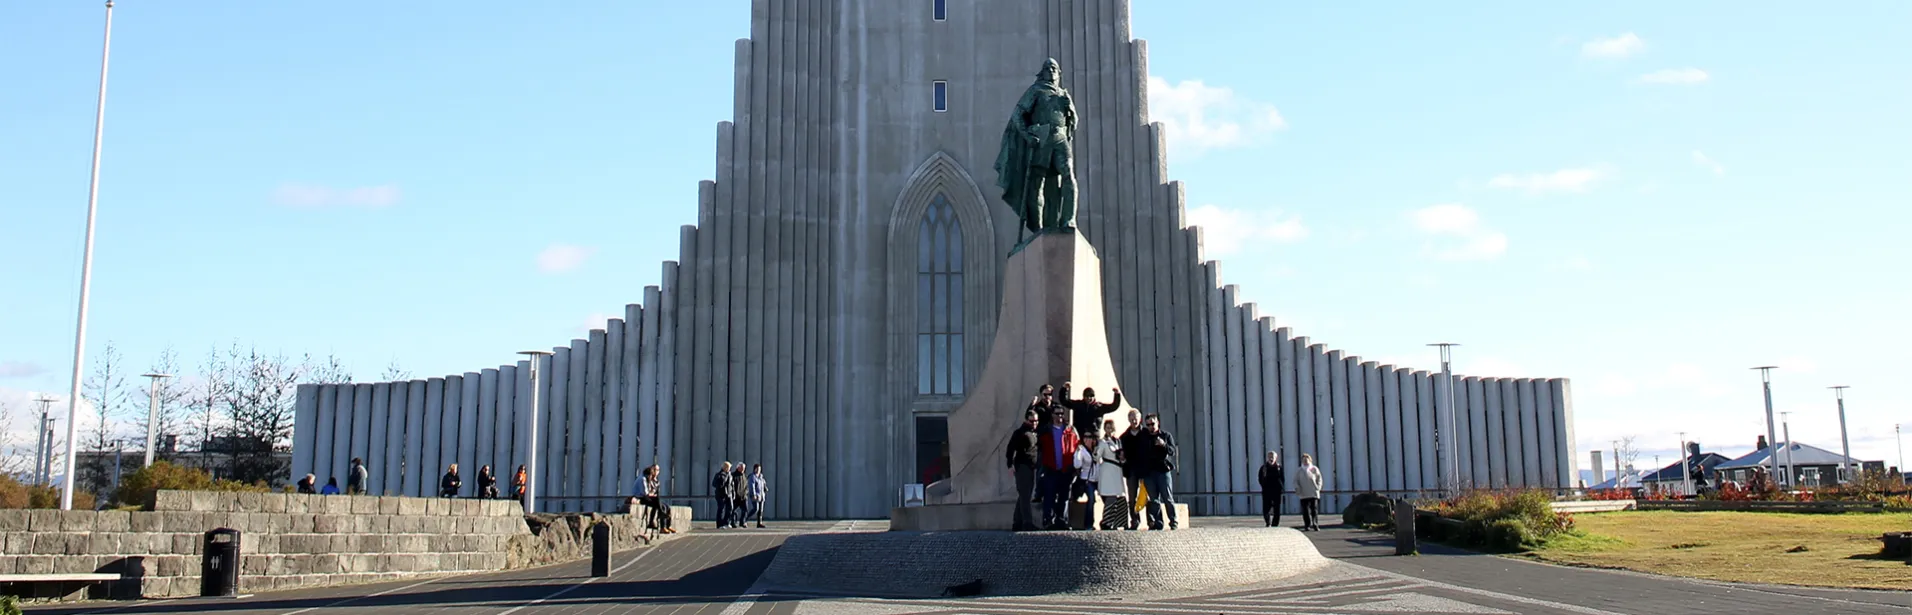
(1839, 550)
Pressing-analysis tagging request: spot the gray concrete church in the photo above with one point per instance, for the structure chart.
(838, 295)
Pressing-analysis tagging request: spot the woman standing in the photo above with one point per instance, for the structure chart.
(487, 483)
(1109, 483)
(517, 484)
(1308, 489)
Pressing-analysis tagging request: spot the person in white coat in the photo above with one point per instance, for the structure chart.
(1308, 490)
(1109, 481)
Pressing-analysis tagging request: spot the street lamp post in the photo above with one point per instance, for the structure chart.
(86, 270)
(152, 414)
(1785, 426)
(1848, 469)
(1772, 440)
(1686, 467)
(531, 457)
(43, 449)
(1449, 438)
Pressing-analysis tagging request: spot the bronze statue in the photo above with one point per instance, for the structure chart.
(1034, 167)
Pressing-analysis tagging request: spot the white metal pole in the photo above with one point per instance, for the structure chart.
(1848, 469)
(152, 415)
(1785, 424)
(1686, 468)
(1449, 436)
(1772, 439)
(86, 272)
(531, 456)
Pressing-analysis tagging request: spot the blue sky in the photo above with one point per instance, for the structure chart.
(1645, 197)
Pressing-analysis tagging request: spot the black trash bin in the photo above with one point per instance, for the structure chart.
(219, 570)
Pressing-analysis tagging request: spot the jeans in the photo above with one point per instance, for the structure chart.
(1135, 481)
(1161, 486)
(1311, 513)
(737, 512)
(1055, 497)
(1271, 508)
(723, 511)
(755, 510)
(1025, 491)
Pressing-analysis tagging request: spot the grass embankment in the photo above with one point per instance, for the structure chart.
(1839, 550)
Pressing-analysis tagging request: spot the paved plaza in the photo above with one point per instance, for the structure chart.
(716, 572)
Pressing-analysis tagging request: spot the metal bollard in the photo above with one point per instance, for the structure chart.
(1404, 539)
(601, 550)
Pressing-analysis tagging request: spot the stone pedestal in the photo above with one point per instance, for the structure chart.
(1050, 331)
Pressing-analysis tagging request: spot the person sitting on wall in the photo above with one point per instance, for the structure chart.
(650, 490)
(331, 486)
(1056, 445)
(1021, 453)
(487, 483)
(721, 489)
(449, 485)
(309, 484)
(1087, 413)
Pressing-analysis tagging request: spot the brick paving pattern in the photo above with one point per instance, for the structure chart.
(715, 572)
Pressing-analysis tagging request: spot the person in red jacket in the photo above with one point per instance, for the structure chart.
(1056, 444)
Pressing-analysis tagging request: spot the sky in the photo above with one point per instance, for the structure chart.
(1648, 198)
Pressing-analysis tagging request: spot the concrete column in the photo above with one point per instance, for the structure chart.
(1324, 416)
(578, 434)
(1549, 449)
(648, 373)
(305, 416)
(1200, 400)
(1340, 457)
(1531, 445)
(451, 418)
(325, 431)
(504, 456)
(1494, 433)
(1413, 434)
(1463, 434)
(1561, 392)
(1289, 409)
(1226, 421)
(1214, 475)
(1430, 454)
(629, 410)
(1271, 408)
(1248, 456)
(418, 468)
(391, 459)
(563, 463)
(1305, 401)
(1377, 444)
(431, 462)
(469, 417)
(375, 454)
(610, 413)
(486, 453)
(671, 329)
(593, 428)
(1394, 447)
(1361, 473)
(1479, 474)
(1510, 428)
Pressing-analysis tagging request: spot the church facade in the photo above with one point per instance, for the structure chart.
(838, 295)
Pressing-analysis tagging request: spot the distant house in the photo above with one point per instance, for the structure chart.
(1628, 479)
(1811, 466)
(1670, 478)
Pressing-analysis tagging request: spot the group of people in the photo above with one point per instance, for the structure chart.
(739, 496)
(451, 483)
(1273, 479)
(1067, 451)
(355, 479)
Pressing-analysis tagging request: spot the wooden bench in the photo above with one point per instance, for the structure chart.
(42, 585)
(76, 577)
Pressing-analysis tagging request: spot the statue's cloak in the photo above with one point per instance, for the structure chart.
(1017, 154)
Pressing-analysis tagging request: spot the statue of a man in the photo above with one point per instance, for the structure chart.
(1034, 166)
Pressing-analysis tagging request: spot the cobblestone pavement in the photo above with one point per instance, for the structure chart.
(714, 572)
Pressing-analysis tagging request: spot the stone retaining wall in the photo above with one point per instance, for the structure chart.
(287, 541)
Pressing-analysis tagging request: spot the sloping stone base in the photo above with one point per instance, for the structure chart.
(991, 516)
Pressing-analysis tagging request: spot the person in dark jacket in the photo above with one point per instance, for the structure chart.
(449, 485)
(1021, 454)
(1158, 478)
(309, 484)
(722, 490)
(739, 495)
(1087, 413)
(1272, 479)
(487, 483)
(355, 477)
(1133, 464)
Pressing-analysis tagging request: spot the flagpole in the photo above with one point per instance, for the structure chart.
(86, 272)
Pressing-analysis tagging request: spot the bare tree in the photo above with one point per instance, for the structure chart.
(206, 421)
(1625, 452)
(329, 371)
(106, 390)
(170, 394)
(259, 405)
(16, 460)
(394, 373)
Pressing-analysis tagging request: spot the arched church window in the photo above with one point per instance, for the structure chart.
(939, 301)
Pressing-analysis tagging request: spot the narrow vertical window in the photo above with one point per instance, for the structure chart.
(942, 96)
(939, 296)
(942, 10)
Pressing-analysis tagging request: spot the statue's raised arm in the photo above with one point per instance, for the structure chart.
(1035, 167)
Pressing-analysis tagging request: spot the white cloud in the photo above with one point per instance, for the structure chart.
(20, 369)
(560, 258)
(311, 196)
(1564, 180)
(1225, 231)
(1617, 47)
(1700, 158)
(1458, 232)
(1675, 76)
(1199, 117)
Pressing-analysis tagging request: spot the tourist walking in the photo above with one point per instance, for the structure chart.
(449, 485)
(721, 489)
(1272, 479)
(1057, 444)
(517, 484)
(309, 485)
(758, 489)
(739, 495)
(1110, 485)
(1308, 489)
(1021, 452)
(356, 476)
(1157, 455)
(487, 483)
(1085, 490)
(1086, 413)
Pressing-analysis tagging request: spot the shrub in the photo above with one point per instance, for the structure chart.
(140, 487)
(1511, 520)
(14, 495)
(9, 605)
